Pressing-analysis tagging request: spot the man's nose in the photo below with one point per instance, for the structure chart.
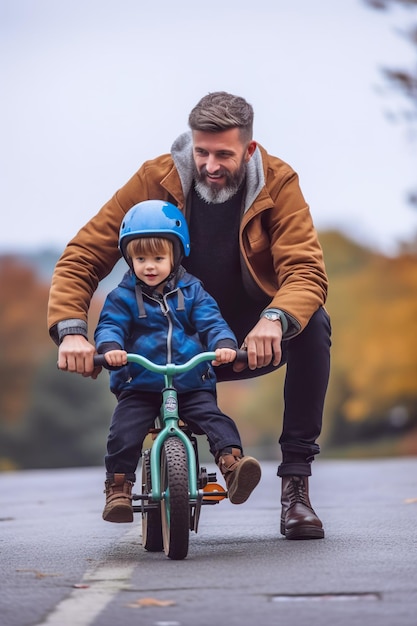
(212, 164)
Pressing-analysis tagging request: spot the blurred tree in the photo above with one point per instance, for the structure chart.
(47, 418)
(373, 308)
(22, 334)
(50, 418)
(402, 79)
(65, 425)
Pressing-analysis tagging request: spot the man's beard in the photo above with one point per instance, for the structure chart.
(212, 194)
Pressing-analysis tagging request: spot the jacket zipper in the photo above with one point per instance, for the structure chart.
(166, 312)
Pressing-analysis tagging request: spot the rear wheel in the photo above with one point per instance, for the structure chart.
(175, 508)
(151, 518)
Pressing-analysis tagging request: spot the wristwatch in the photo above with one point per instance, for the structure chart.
(273, 316)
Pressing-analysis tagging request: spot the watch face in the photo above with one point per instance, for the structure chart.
(271, 315)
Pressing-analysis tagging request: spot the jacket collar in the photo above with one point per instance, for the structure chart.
(171, 287)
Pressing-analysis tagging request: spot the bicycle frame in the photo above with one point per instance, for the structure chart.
(170, 419)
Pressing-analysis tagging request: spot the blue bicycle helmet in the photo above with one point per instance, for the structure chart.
(156, 218)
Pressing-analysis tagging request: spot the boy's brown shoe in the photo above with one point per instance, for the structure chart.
(241, 473)
(118, 506)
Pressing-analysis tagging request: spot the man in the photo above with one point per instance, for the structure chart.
(254, 246)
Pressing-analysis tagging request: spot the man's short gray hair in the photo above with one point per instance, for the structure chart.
(220, 111)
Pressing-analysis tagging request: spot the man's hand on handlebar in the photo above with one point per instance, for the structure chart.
(263, 345)
(75, 354)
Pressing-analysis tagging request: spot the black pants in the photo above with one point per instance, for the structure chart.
(307, 357)
(135, 413)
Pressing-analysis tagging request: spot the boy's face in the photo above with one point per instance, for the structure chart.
(152, 269)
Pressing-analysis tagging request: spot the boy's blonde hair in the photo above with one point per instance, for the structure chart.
(150, 246)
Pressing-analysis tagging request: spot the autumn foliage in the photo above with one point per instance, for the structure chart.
(372, 398)
(23, 340)
(371, 403)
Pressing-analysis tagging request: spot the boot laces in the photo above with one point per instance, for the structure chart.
(228, 461)
(111, 488)
(297, 493)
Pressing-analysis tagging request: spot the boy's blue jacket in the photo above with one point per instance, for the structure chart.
(165, 328)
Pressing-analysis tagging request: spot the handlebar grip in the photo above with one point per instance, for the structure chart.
(242, 357)
(100, 361)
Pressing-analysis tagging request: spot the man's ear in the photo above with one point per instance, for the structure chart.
(250, 150)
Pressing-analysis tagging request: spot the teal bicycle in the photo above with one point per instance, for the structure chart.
(174, 486)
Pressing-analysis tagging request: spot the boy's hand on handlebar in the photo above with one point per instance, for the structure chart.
(224, 355)
(116, 358)
(263, 345)
(75, 355)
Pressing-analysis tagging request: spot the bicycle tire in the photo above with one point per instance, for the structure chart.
(151, 519)
(175, 507)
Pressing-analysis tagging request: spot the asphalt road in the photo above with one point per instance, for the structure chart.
(61, 565)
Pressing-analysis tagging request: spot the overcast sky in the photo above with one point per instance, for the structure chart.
(92, 88)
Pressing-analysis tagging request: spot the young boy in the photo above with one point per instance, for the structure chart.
(163, 313)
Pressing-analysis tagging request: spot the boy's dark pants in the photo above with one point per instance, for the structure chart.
(135, 414)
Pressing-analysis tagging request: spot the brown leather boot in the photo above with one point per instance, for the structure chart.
(118, 506)
(298, 519)
(241, 474)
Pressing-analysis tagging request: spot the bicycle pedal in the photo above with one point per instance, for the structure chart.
(202, 478)
(213, 492)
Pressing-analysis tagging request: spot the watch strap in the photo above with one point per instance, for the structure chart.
(282, 317)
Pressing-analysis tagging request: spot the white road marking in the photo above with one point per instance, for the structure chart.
(83, 605)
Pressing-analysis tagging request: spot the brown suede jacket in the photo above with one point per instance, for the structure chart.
(279, 244)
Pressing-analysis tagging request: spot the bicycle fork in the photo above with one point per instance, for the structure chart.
(170, 419)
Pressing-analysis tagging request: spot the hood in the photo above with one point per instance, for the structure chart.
(182, 155)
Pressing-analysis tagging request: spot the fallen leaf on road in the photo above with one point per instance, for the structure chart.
(140, 604)
(410, 501)
(37, 573)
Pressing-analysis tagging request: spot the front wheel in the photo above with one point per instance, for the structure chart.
(175, 508)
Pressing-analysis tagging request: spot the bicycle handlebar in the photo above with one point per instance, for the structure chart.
(169, 368)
